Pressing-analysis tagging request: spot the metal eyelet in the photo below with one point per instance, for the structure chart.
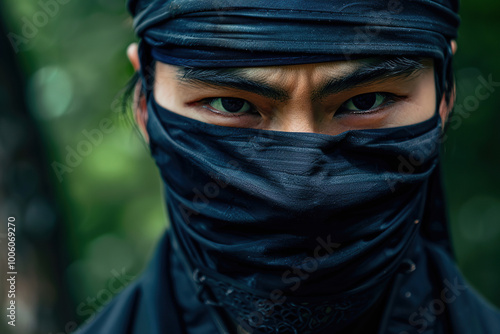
(203, 291)
(408, 266)
(198, 277)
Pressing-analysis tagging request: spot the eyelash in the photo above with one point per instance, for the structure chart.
(389, 98)
(205, 104)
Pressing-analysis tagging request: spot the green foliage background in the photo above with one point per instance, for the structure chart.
(111, 200)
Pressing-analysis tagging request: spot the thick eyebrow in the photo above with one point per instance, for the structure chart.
(231, 78)
(373, 71)
(370, 71)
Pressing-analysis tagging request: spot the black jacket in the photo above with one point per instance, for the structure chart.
(429, 296)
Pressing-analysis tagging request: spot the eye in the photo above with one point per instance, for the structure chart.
(229, 105)
(365, 103)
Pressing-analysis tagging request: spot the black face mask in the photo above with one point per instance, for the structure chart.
(293, 232)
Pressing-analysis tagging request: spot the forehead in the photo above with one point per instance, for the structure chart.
(313, 71)
(320, 79)
(387, 66)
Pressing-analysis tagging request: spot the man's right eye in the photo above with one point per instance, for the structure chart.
(228, 105)
(366, 103)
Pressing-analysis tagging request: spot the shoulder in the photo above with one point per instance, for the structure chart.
(117, 316)
(436, 298)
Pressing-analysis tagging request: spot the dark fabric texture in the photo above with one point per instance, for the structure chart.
(251, 208)
(242, 33)
(372, 225)
(444, 304)
(351, 230)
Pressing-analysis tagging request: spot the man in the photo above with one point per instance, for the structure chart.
(299, 146)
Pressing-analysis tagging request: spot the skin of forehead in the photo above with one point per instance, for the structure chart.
(293, 78)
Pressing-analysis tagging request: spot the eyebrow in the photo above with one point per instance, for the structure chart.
(371, 71)
(230, 78)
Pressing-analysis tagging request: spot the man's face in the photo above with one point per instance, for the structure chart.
(327, 98)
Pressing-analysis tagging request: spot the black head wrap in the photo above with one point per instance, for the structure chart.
(261, 32)
(242, 33)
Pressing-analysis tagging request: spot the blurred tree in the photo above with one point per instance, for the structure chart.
(26, 193)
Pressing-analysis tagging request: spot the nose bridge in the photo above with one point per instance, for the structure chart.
(298, 114)
(297, 118)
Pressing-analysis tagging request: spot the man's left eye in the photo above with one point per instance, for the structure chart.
(230, 105)
(365, 102)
